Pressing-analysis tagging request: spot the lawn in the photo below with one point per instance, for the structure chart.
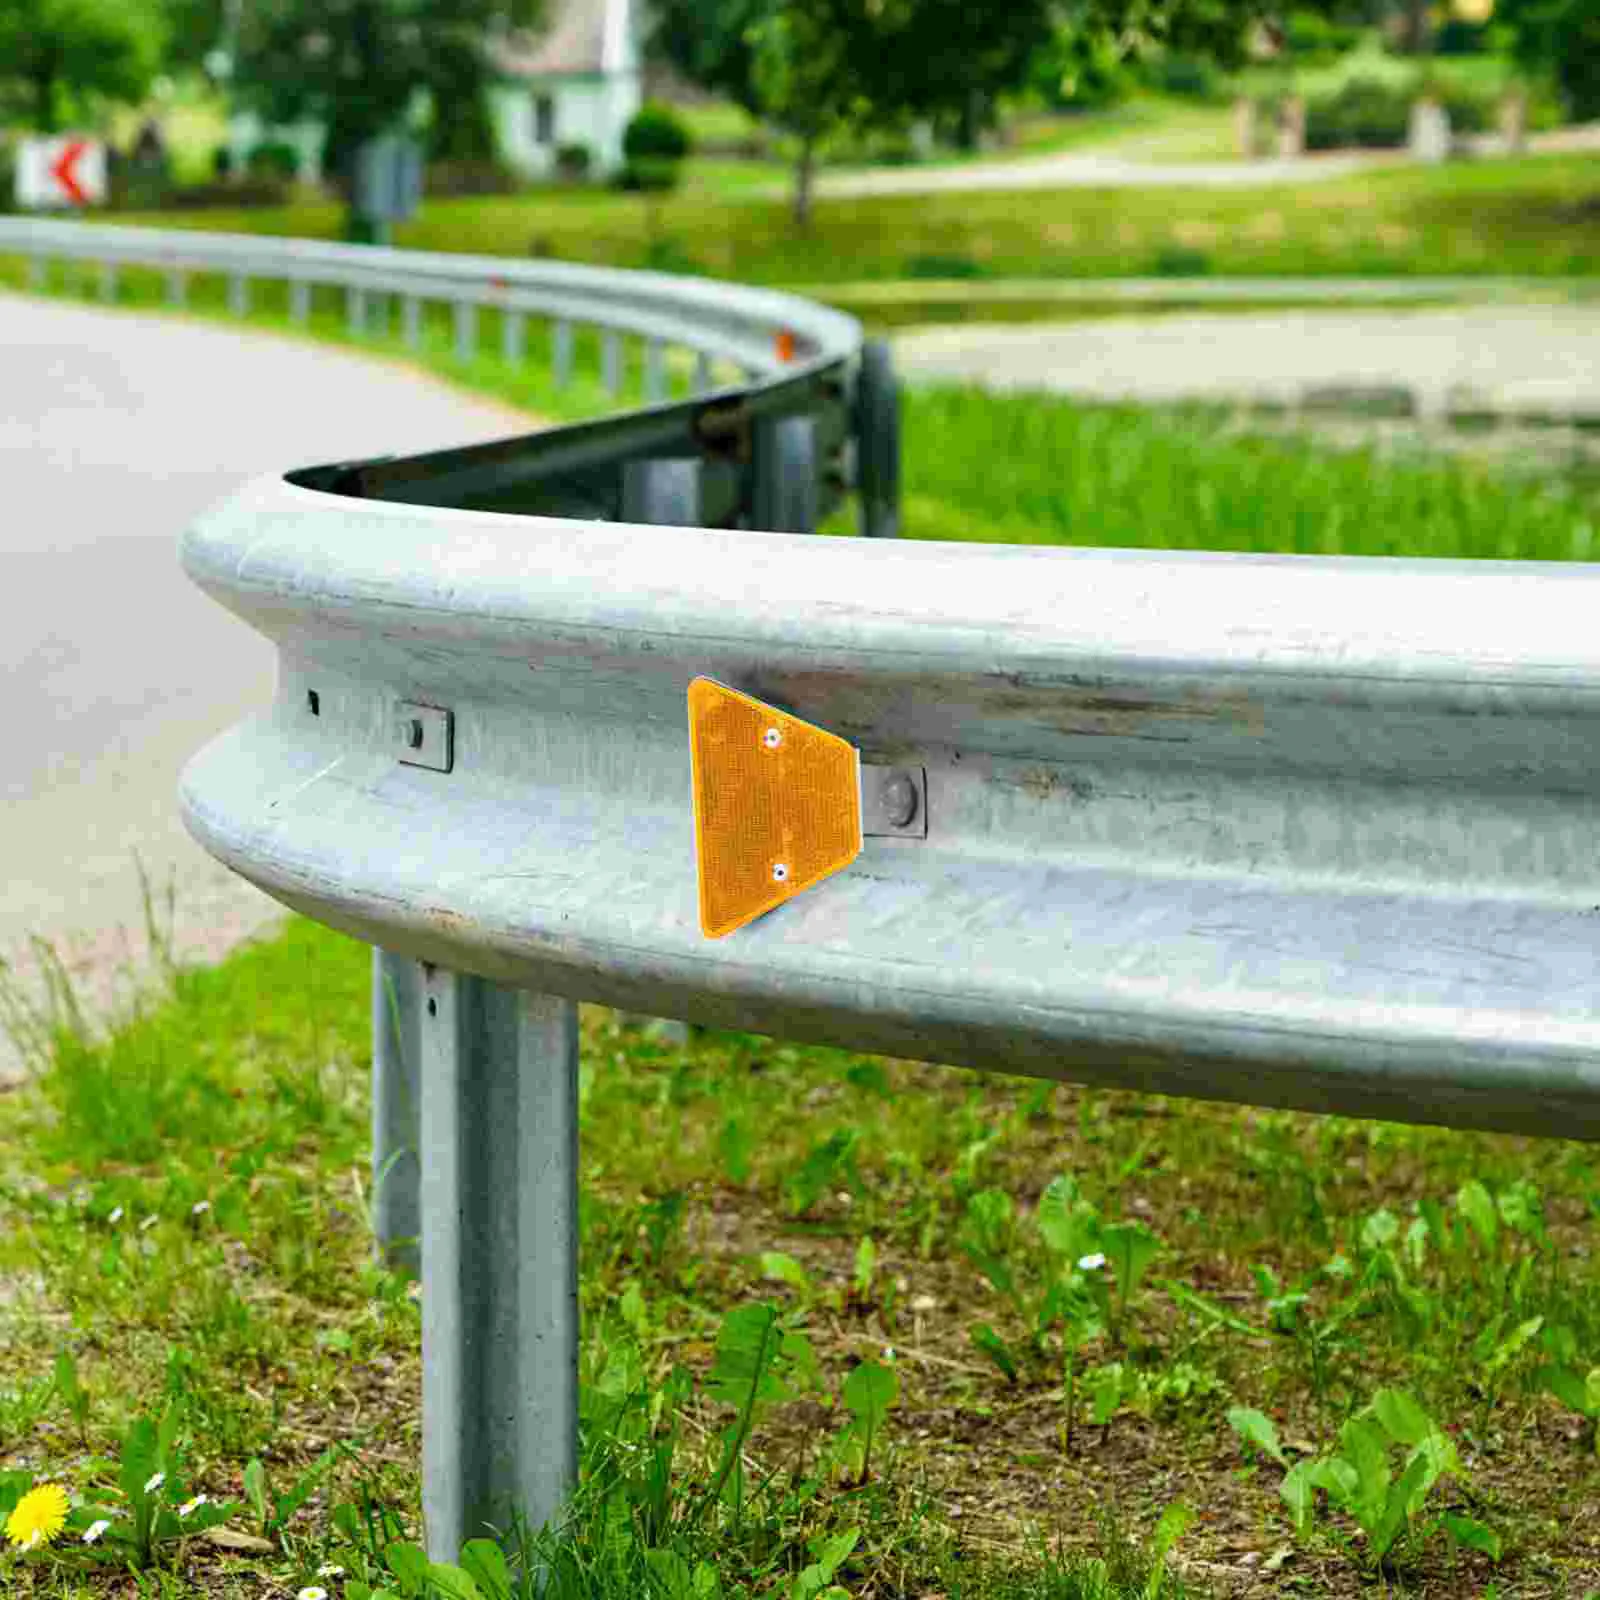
(968, 1403)
(1535, 216)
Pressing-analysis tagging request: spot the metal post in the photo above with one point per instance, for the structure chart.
(702, 372)
(499, 1257)
(513, 336)
(239, 295)
(299, 302)
(355, 312)
(611, 361)
(877, 434)
(784, 498)
(466, 330)
(177, 288)
(38, 272)
(108, 281)
(562, 353)
(411, 320)
(397, 1001)
(655, 378)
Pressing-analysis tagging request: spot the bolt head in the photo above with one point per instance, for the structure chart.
(899, 800)
(411, 732)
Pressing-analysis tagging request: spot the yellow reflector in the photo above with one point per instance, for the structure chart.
(777, 805)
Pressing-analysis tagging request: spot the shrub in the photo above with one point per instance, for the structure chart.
(222, 163)
(1458, 37)
(648, 175)
(939, 266)
(1186, 76)
(448, 178)
(656, 133)
(274, 159)
(573, 160)
(8, 178)
(1314, 40)
(252, 191)
(1369, 113)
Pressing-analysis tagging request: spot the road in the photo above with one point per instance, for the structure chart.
(1504, 358)
(116, 429)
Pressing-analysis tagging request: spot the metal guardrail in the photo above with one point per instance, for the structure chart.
(1298, 831)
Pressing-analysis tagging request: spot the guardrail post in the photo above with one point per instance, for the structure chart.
(611, 361)
(411, 321)
(784, 499)
(513, 336)
(655, 377)
(177, 289)
(877, 435)
(499, 1256)
(239, 295)
(702, 372)
(108, 281)
(355, 312)
(561, 353)
(299, 302)
(466, 330)
(397, 1001)
(38, 272)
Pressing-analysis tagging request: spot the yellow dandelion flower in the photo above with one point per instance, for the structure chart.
(37, 1517)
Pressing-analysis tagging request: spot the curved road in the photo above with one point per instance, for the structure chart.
(115, 431)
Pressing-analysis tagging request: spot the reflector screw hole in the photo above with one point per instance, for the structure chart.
(780, 872)
(772, 738)
(314, 702)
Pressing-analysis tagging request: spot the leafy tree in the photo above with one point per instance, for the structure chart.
(358, 67)
(57, 56)
(1559, 38)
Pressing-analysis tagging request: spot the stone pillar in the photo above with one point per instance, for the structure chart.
(1514, 121)
(1429, 138)
(1292, 129)
(1244, 127)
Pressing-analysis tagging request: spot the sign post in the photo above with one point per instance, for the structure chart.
(63, 173)
(388, 186)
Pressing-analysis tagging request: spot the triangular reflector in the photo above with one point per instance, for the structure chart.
(777, 805)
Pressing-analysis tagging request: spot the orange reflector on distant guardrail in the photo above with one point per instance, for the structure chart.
(777, 805)
(785, 345)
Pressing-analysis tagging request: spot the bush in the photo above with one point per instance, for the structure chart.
(8, 178)
(656, 133)
(1458, 37)
(1471, 110)
(1367, 113)
(274, 159)
(1186, 76)
(444, 179)
(573, 160)
(252, 191)
(222, 163)
(648, 175)
(937, 266)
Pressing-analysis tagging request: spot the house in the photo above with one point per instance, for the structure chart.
(578, 81)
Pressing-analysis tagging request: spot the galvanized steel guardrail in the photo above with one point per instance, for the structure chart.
(1298, 831)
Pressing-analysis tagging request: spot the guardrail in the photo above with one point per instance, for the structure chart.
(1299, 831)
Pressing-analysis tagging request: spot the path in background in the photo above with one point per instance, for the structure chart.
(1500, 359)
(115, 431)
(1120, 168)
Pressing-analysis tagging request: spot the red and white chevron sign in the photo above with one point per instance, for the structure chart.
(68, 172)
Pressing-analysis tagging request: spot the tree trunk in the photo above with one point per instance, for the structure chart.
(803, 172)
(44, 100)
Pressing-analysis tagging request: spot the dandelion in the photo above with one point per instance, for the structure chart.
(199, 1208)
(91, 1534)
(192, 1505)
(1091, 1263)
(37, 1517)
(116, 1215)
(154, 1482)
(148, 1223)
(312, 1591)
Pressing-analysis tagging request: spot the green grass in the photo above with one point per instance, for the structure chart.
(1537, 216)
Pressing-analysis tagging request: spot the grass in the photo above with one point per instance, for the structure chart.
(1537, 216)
(184, 1235)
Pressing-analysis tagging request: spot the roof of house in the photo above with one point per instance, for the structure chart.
(581, 38)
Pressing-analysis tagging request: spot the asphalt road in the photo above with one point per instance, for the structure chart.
(116, 429)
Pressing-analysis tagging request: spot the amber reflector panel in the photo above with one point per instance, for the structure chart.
(777, 805)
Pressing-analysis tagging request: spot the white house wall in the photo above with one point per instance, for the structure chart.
(592, 112)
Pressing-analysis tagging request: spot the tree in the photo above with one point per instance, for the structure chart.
(58, 56)
(359, 66)
(1560, 38)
